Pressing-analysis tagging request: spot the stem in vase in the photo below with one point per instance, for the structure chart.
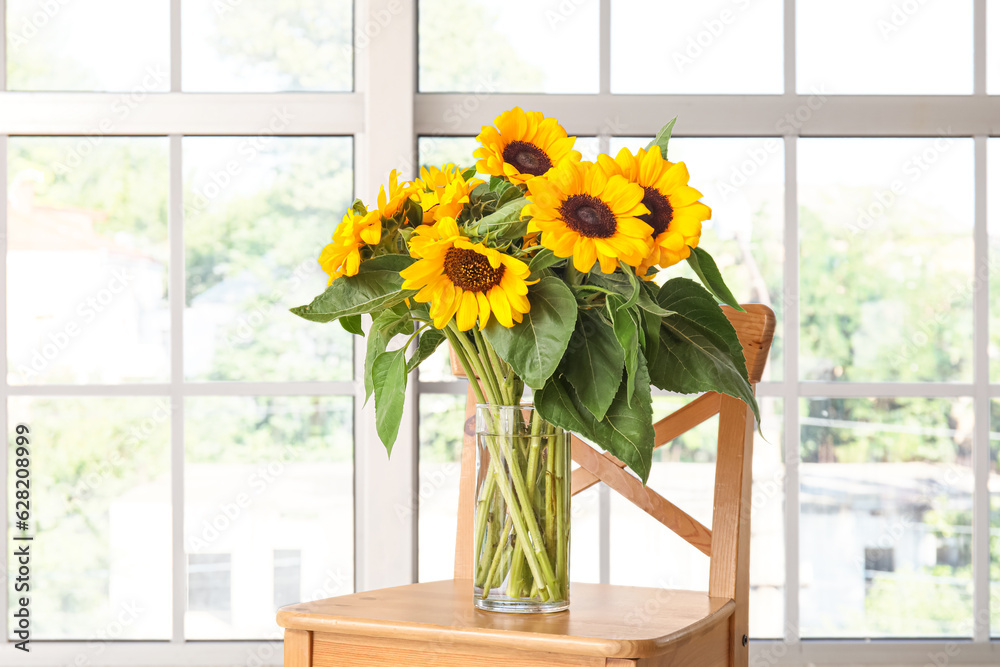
(513, 490)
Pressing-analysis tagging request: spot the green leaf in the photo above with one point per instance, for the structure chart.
(535, 346)
(704, 266)
(414, 213)
(506, 221)
(498, 184)
(625, 322)
(626, 432)
(389, 378)
(377, 285)
(542, 260)
(479, 191)
(663, 138)
(651, 333)
(619, 282)
(352, 324)
(385, 327)
(699, 349)
(509, 195)
(429, 341)
(468, 173)
(593, 363)
(647, 299)
(359, 207)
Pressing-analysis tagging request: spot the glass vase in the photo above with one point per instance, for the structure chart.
(522, 521)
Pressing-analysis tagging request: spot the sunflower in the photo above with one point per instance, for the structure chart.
(389, 204)
(459, 277)
(343, 256)
(583, 212)
(443, 192)
(675, 214)
(523, 145)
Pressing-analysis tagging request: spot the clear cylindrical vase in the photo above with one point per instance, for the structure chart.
(522, 522)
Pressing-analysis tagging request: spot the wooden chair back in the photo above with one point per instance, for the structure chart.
(727, 543)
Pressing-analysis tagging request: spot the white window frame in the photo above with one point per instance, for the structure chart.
(385, 114)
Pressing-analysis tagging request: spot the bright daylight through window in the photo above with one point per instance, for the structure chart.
(174, 167)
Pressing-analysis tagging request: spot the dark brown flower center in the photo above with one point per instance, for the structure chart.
(470, 270)
(527, 158)
(589, 216)
(660, 211)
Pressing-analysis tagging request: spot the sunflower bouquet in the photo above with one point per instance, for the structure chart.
(541, 270)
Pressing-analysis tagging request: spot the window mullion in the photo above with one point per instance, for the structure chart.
(790, 341)
(385, 493)
(175, 233)
(3, 60)
(981, 402)
(175, 46)
(605, 46)
(979, 47)
(789, 35)
(790, 334)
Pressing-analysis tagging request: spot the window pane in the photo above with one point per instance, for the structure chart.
(719, 46)
(262, 46)
(885, 230)
(265, 476)
(87, 260)
(435, 151)
(645, 553)
(258, 211)
(100, 492)
(993, 222)
(519, 46)
(892, 48)
(210, 584)
(88, 45)
(585, 531)
(993, 49)
(442, 419)
(886, 517)
(767, 524)
(743, 181)
(287, 576)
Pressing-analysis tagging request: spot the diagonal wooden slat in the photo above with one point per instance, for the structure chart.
(684, 419)
(643, 497)
(668, 428)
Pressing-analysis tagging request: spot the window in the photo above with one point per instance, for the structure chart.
(206, 457)
(152, 251)
(287, 577)
(210, 584)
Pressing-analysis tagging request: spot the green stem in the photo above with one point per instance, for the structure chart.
(562, 507)
(490, 384)
(414, 335)
(573, 277)
(496, 365)
(497, 557)
(550, 498)
(495, 536)
(525, 525)
(513, 490)
(534, 452)
(470, 370)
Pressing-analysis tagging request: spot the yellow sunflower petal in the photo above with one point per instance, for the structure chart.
(501, 307)
(484, 309)
(468, 310)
